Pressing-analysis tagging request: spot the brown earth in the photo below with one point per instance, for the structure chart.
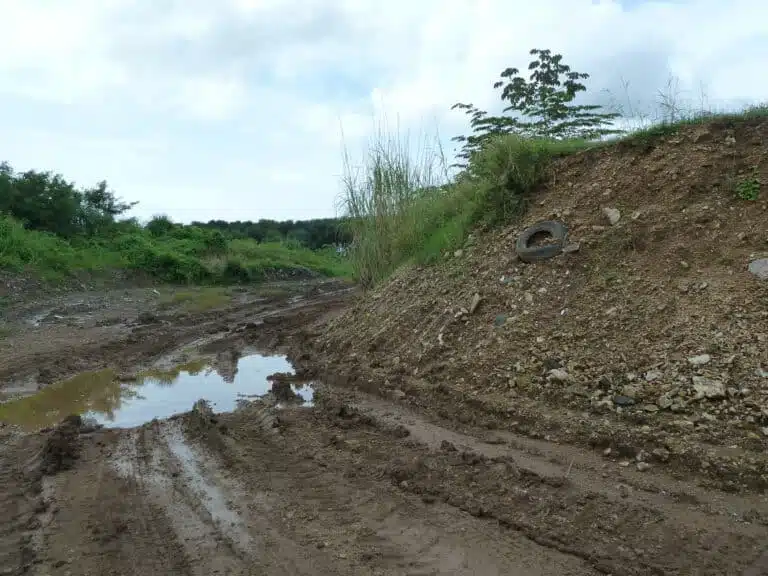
(651, 339)
(598, 413)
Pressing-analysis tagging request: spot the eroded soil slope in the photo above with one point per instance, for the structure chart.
(651, 338)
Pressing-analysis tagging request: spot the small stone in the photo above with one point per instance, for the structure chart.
(398, 394)
(621, 400)
(759, 268)
(529, 298)
(708, 388)
(500, 320)
(703, 136)
(642, 466)
(664, 402)
(650, 408)
(765, 431)
(558, 375)
(459, 253)
(700, 360)
(653, 375)
(607, 451)
(661, 454)
(624, 463)
(613, 215)
(476, 299)
(571, 248)
(624, 490)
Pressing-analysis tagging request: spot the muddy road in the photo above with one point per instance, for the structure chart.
(284, 481)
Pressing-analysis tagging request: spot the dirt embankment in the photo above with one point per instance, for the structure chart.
(650, 340)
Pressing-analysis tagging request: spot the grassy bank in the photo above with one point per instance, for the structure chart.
(411, 211)
(182, 254)
(408, 210)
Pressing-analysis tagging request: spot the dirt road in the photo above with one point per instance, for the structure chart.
(354, 484)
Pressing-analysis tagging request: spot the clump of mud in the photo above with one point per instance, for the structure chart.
(60, 450)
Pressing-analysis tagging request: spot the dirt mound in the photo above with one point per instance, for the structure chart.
(61, 448)
(651, 336)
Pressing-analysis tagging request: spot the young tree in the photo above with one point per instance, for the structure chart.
(541, 106)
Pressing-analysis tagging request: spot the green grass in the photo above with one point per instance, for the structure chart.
(409, 211)
(199, 299)
(647, 136)
(404, 208)
(186, 255)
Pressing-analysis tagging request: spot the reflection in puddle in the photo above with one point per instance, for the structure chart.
(101, 397)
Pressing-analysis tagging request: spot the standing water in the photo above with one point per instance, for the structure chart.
(101, 397)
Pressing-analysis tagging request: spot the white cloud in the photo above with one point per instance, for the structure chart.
(233, 109)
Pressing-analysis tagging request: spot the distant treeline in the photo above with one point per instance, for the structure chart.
(313, 234)
(47, 202)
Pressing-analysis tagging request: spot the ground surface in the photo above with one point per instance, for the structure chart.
(603, 412)
(358, 484)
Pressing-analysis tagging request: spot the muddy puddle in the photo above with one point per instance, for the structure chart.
(104, 398)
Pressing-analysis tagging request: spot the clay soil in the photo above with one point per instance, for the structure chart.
(358, 484)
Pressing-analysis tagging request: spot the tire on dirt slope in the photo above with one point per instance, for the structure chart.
(527, 253)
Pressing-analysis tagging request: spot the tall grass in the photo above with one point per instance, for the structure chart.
(393, 202)
(405, 209)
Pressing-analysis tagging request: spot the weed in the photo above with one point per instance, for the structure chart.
(198, 300)
(748, 188)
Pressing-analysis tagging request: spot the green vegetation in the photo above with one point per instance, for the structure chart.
(52, 229)
(542, 106)
(404, 211)
(313, 234)
(749, 188)
(198, 299)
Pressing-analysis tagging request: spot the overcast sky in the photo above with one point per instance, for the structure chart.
(232, 109)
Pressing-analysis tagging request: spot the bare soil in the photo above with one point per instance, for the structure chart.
(358, 484)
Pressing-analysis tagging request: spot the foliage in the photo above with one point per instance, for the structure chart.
(314, 234)
(390, 206)
(185, 255)
(47, 202)
(49, 226)
(542, 106)
(408, 211)
(749, 188)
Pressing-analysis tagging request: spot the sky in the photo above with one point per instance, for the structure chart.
(243, 109)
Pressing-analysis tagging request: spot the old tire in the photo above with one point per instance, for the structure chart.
(528, 253)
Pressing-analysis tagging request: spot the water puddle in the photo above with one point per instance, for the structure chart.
(101, 397)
